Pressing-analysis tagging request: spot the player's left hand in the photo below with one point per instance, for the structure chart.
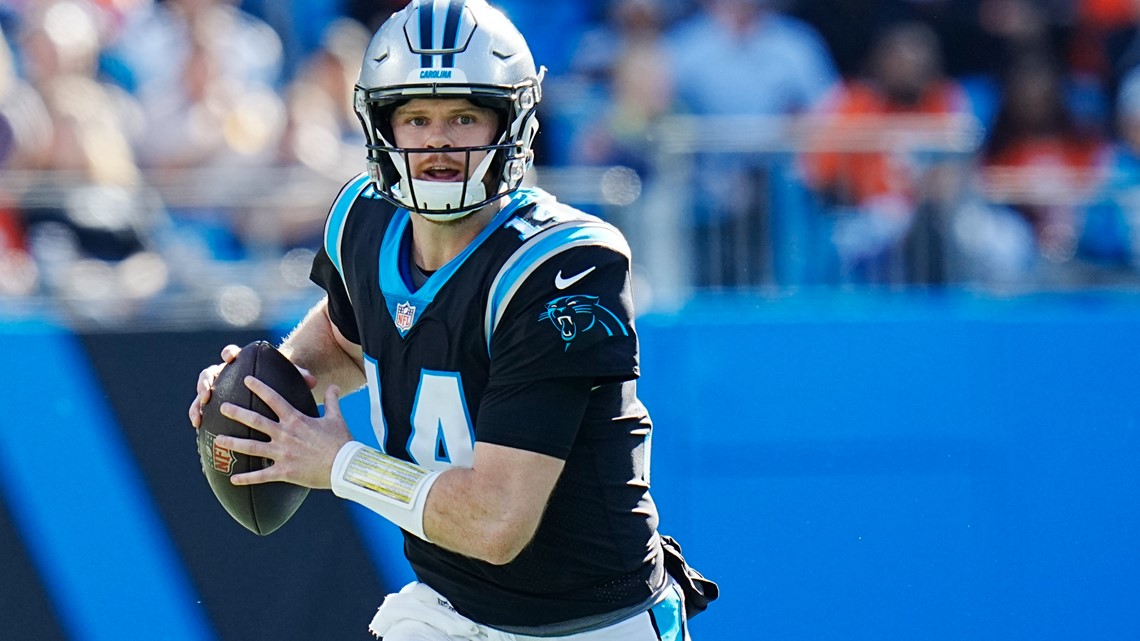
(301, 447)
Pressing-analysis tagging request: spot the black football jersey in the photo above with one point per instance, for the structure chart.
(542, 293)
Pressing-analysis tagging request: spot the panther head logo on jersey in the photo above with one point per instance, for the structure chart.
(577, 314)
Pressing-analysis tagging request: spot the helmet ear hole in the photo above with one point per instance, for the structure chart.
(382, 118)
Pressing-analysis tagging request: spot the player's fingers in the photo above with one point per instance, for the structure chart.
(310, 380)
(204, 387)
(250, 418)
(332, 402)
(230, 352)
(275, 401)
(247, 446)
(264, 475)
(196, 410)
(206, 380)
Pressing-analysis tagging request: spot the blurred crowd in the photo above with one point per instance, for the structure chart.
(144, 143)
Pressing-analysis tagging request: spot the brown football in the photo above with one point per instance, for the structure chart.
(267, 506)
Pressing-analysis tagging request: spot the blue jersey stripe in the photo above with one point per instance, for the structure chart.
(81, 505)
(334, 228)
(393, 285)
(537, 251)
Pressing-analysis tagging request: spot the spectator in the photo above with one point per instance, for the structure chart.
(17, 274)
(89, 218)
(1013, 30)
(300, 24)
(206, 74)
(741, 58)
(770, 63)
(321, 134)
(1039, 158)
(83, 205)
(624, 61)
(158, 41)
(1110, 235)
(1106, 43)
(885, 184)
(322, 131)
(54, 39)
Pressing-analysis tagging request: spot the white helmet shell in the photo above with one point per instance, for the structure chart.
(449, 49)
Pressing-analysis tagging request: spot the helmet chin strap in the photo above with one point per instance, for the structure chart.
(440, 201)
(443, 201)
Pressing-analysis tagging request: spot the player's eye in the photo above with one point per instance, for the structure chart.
(466, 119)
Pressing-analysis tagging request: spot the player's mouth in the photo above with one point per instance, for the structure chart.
(439, 172)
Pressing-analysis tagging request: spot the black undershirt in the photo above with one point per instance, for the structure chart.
(419, 276)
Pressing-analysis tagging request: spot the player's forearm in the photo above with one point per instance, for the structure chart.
(464, 517)
(489, 512)
(313, 344)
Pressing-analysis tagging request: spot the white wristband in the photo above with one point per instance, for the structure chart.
(396, 490)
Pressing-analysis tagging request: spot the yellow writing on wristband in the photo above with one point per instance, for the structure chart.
(387, 476)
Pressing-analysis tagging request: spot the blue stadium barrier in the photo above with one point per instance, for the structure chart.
(854, 466)
(80, 504)
(933, 466)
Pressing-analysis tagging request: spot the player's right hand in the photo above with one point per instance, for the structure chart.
(206, 383)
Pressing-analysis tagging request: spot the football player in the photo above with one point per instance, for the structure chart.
(493, 330)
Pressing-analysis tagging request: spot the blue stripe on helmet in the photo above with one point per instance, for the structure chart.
(451, 31)
(426, 37)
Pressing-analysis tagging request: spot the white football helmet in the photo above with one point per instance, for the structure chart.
(449, 49)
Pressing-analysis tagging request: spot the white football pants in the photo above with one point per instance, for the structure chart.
(419, 613)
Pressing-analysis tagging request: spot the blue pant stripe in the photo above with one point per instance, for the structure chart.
(668, 619)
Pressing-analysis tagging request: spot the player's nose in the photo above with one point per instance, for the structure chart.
(438, 136)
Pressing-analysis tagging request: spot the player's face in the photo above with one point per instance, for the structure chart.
(440, 124)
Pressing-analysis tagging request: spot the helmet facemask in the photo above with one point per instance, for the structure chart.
(500, 171)
(462, 49)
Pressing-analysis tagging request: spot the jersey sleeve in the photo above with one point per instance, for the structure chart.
(569, 315)
(341, 312)
(538, 416)
(328, 268)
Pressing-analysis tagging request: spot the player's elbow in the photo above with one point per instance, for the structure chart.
(503, 542)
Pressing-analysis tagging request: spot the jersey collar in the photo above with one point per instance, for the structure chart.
(406, 306)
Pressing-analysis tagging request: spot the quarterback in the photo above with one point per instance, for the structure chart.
(493, 330)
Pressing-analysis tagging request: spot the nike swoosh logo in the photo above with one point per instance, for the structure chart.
(563, 283)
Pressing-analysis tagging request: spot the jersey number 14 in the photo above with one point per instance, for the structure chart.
(442, 433)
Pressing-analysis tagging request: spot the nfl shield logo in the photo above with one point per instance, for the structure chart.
(221, 459)
(405, 315)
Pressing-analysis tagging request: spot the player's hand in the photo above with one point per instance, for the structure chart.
(206, 382)
(301, 447)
